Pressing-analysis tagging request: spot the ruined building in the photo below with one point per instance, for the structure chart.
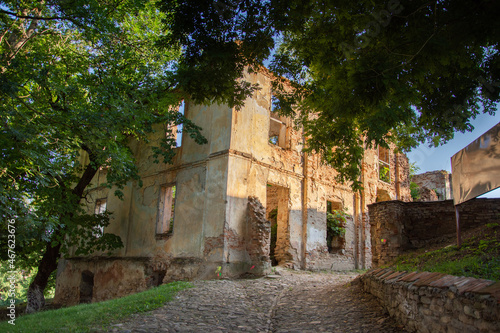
(434, 185)
(209, 214)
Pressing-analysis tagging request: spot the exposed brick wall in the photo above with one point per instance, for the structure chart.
(433, 302)
(259, 237)
(398, 226)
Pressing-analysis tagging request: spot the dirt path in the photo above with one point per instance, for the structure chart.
(288, 302)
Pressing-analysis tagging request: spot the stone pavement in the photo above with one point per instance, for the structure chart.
(291, 301)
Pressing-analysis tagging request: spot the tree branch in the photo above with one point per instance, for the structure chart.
(87, 175)
(31, 17)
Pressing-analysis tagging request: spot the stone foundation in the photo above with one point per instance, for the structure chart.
(99, 279)
(109, 279)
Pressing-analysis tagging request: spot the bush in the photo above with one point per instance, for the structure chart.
(335, 222)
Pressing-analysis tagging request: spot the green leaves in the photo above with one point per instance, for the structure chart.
(363, 72)
(335, 222)
(78, 76)
(85, 234)
(219, 39)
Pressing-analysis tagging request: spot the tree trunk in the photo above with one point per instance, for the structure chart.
(48, 264)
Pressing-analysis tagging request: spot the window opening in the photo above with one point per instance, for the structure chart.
(384, 167)
(335, 226)
(166, 207)
(175, 131)
(179, 127)
(100, 208)
(277, 131)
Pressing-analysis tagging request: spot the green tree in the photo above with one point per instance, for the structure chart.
(414, 188)
(78, 79)
(364, 72)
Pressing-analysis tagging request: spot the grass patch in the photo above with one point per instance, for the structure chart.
(479, 257)
(95, 316)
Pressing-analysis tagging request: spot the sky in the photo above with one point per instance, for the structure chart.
(431, 159)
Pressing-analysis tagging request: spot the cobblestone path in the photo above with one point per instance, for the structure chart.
(289, 302)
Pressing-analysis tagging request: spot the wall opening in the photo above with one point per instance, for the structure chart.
(277, 211)
(156, 278)
(384, 166)
(278, 130)
(335, 227)
(279, 126)
(166, 208)
(100, 208)
(86, 287)
(179, 127)
(175, 131)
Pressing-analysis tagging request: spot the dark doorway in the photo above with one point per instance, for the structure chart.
(277, 212)
(86, 287)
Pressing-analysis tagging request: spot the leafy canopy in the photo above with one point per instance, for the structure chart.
(77, 76)
(364, 72)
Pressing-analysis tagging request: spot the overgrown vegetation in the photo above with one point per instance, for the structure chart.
(414, 188)
(335, 226)
(414, 191)
(478, 257)
(22, 278)
(336, 221)
(384, 174)
(362, 72)
(94, 316)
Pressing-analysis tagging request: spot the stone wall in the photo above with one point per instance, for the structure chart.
(399, 226)
(438, 181)
(434, 302)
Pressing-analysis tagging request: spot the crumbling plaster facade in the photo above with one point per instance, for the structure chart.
(222, 189)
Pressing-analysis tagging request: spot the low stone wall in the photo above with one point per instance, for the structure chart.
(433, 302)
(398, 226)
